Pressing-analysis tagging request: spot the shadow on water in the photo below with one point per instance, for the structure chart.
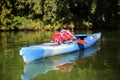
(63, 62)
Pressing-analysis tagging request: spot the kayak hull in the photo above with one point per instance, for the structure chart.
(54, 63)
(36, 52)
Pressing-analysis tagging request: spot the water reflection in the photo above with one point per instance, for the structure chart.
(63, 62)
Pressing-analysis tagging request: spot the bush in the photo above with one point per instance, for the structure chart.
(22, 23)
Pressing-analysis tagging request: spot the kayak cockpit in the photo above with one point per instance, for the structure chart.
(81, 36)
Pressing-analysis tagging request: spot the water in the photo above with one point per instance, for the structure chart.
(100, 62)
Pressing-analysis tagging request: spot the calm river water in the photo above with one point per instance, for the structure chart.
(99, 62)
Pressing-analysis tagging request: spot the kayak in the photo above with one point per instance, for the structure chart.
(36, 52)
(57, 62)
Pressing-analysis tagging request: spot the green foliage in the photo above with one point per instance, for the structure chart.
(48, 27)
(87, 24)
(64, 14)
(50, 9)
(34, 14)
(71, 25)
(29, 24)
(5, 16)
(28, 8)
(93, 7)
(55, 26)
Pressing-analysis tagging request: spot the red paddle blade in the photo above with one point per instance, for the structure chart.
(81, 41)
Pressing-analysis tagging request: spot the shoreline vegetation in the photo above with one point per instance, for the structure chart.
(51, 15)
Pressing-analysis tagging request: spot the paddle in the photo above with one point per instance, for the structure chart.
(81, 41)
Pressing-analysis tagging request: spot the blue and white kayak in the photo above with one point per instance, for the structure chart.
(36, 52)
